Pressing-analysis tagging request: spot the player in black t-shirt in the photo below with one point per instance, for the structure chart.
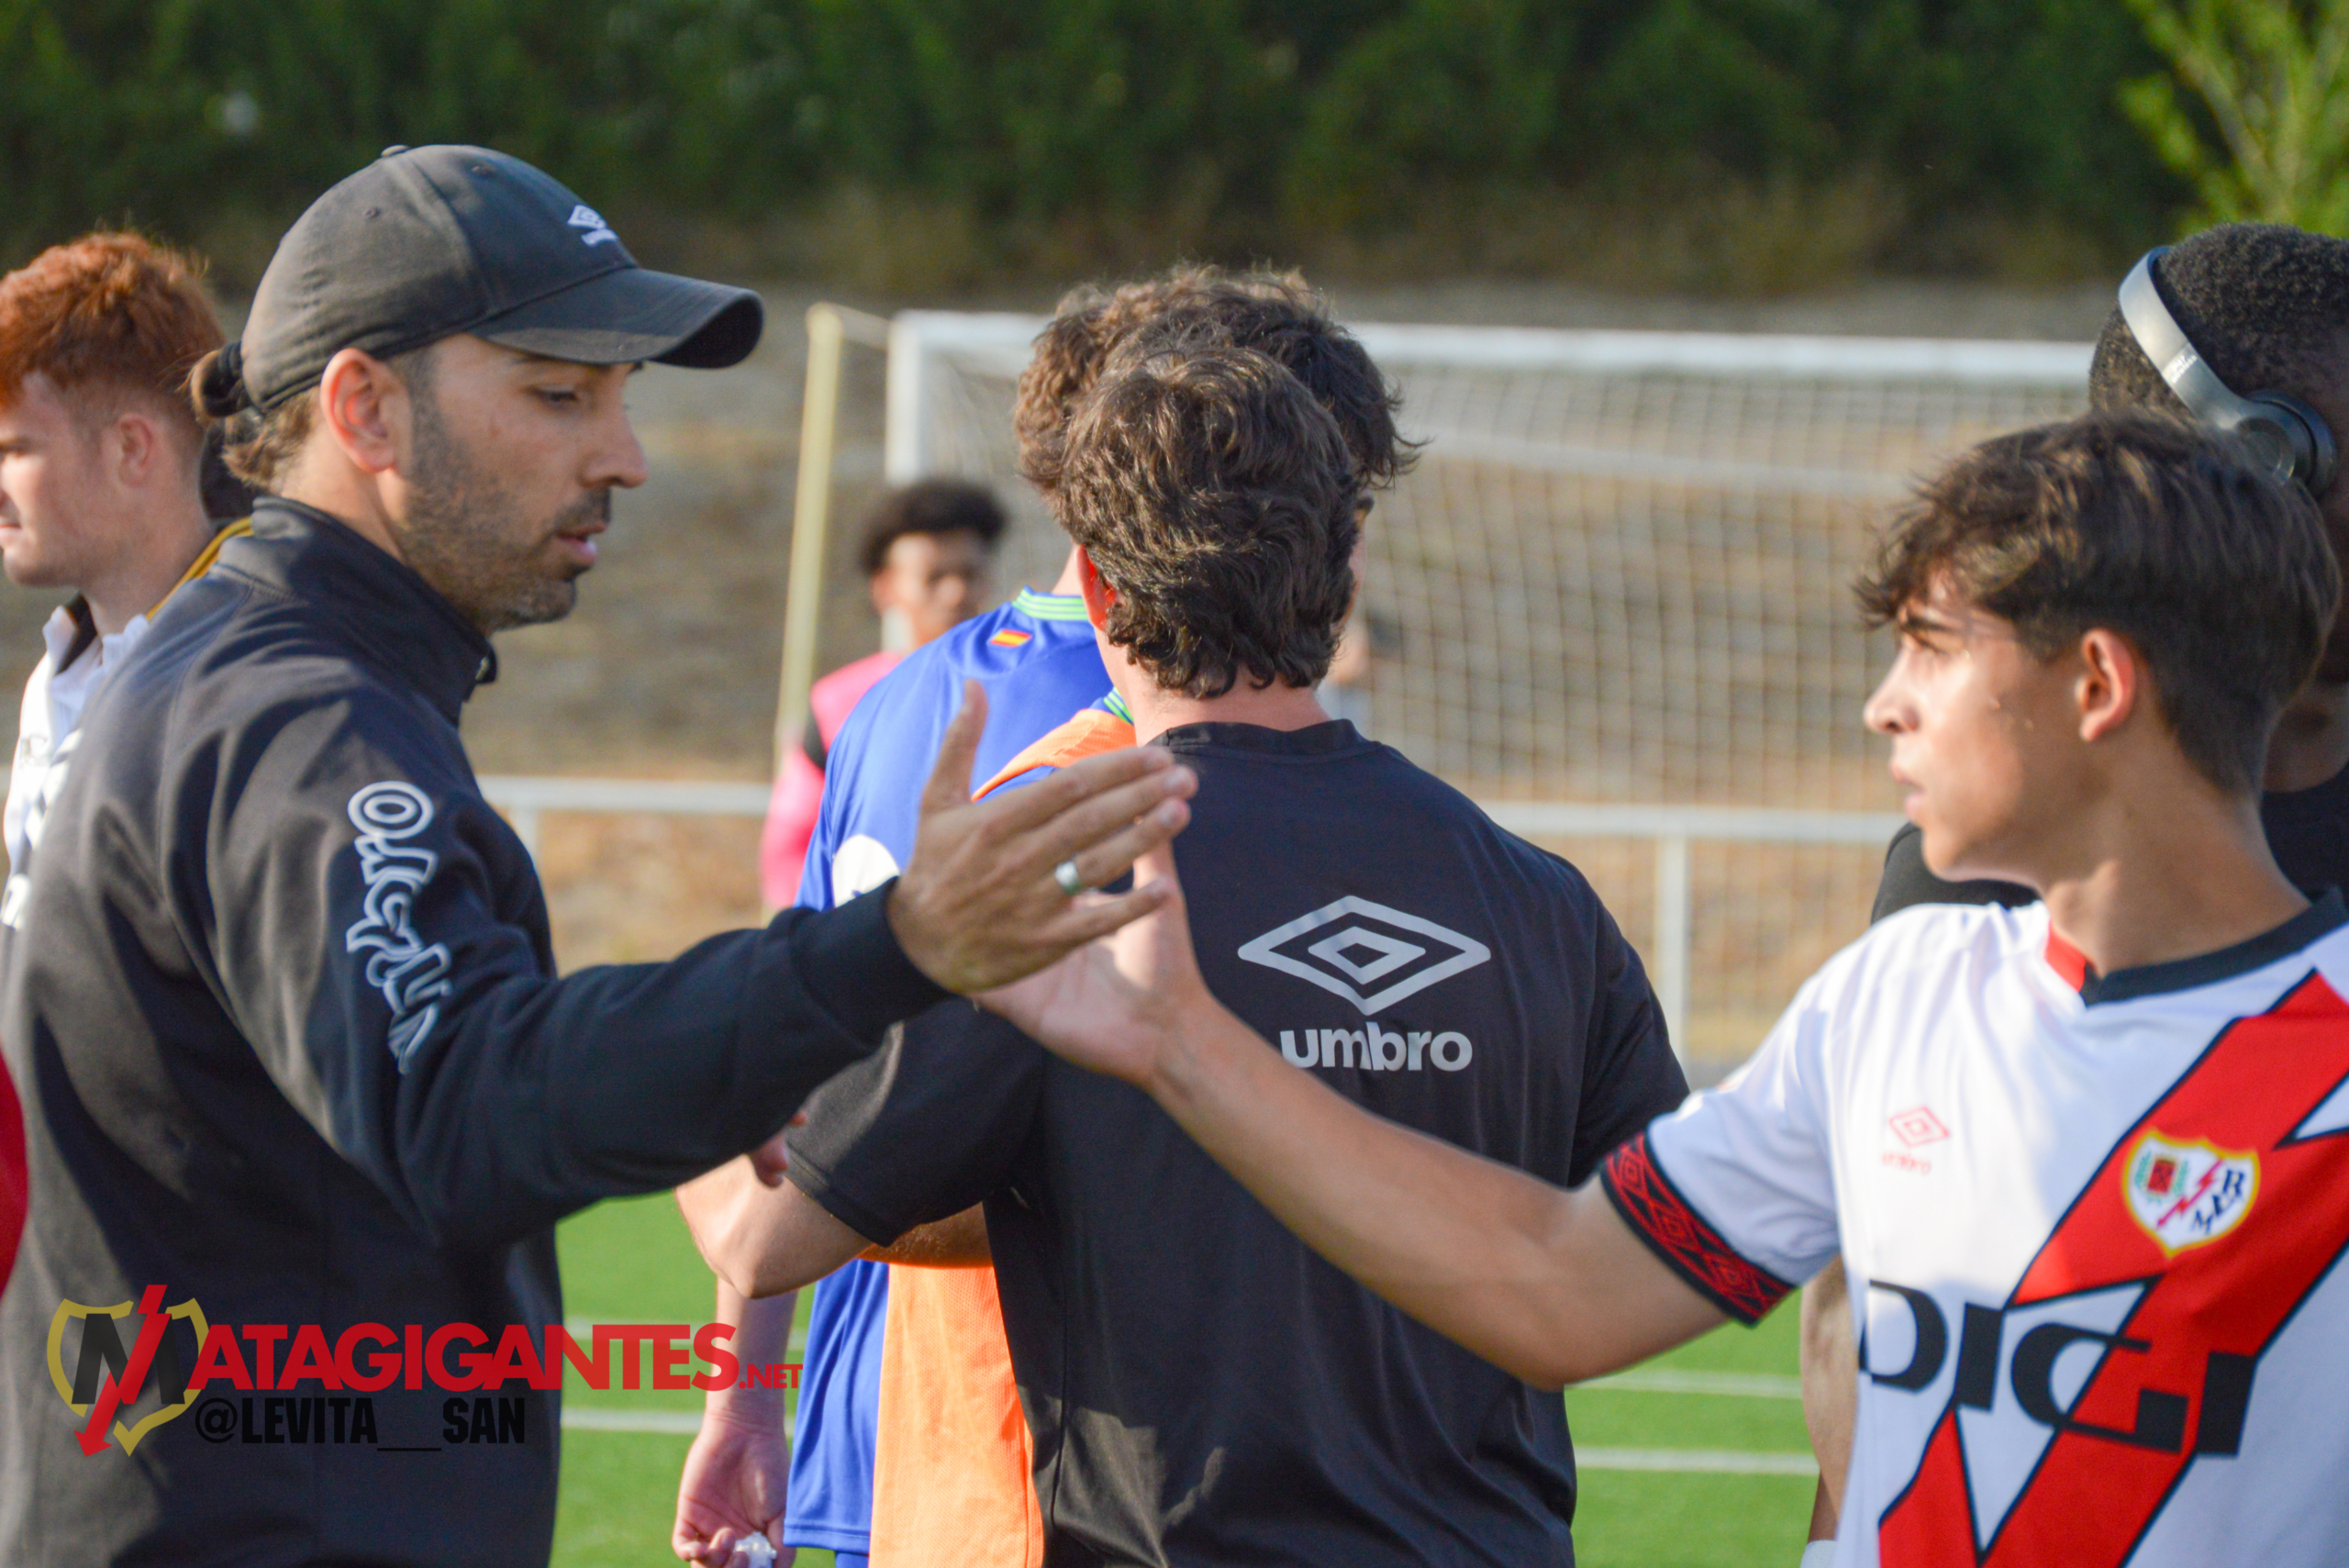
(2268, 308)
(1201, 1387)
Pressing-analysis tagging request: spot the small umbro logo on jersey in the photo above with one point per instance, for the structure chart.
(592, 222)
(1917, 1127)
(1367, 952)
(1008, 637)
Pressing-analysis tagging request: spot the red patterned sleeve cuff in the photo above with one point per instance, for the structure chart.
(1659, 1216)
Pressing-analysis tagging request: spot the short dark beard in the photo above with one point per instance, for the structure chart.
(459, 535)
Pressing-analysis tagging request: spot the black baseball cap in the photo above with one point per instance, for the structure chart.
(426, 242)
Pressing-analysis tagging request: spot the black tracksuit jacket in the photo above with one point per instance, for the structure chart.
(285, 1017)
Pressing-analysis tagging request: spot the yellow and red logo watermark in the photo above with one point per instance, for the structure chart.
(311, 1388)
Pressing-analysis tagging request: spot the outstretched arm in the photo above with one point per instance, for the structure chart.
(761, 1235)
(762, 1239)
(1548, 1284)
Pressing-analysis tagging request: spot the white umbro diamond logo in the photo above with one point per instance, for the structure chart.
(591, 220)
(1363, 944)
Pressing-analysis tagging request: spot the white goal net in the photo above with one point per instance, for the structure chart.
(1620, 575)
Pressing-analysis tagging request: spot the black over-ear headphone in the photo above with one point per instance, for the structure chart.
(2289, 436)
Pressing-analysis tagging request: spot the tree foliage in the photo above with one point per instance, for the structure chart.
(1269, 117)
(2271, 80)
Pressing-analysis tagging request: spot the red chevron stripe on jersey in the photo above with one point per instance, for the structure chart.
(2231, 1221)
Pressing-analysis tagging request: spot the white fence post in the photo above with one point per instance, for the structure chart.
(1672, 938)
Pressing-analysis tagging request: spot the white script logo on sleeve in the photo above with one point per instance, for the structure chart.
(411, 975)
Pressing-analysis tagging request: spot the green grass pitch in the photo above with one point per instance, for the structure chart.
(631, 1262)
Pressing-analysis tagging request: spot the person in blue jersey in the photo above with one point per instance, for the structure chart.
(1036, 658)
(927, 555)
(1039, 662)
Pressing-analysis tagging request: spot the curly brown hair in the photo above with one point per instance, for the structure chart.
(2168, 534)
(1277, 314)
(1216, 494)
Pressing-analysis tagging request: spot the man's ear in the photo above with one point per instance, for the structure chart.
(2110, 684)
(1099, 597)
(364, 408)
(134, 448)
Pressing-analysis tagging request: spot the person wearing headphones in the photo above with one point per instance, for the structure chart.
(2244, 327)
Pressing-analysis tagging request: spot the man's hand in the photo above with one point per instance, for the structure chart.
(978, 906)
(1549, 1286)
(740, 1465)
(732, 1488)
(1118, 1006)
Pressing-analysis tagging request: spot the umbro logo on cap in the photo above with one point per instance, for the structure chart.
(597, 230)
(1368, 953)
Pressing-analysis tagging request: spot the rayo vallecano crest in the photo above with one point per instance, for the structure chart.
(2184, 1193)
(109, 1355)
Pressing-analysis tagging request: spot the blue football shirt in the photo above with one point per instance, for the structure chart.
(1037, 662)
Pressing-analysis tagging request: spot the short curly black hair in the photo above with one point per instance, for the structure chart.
(1275, 313)
(932, 506)
(2266, 304)
(1216, 494)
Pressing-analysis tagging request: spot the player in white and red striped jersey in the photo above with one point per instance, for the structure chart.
(2096, 1216)
(2091, 1158)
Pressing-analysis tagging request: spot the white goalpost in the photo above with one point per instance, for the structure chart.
(1611, 601)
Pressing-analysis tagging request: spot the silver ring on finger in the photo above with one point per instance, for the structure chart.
(1070, 880)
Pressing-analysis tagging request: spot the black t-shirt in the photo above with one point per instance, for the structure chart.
(1203, 1388)
(2308, 833)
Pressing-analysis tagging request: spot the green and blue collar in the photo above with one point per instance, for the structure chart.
(1050, 606)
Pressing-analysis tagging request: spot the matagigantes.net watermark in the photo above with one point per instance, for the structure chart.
(294, 1384)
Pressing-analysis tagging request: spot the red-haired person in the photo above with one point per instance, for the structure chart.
(100, 495)
(926, 552)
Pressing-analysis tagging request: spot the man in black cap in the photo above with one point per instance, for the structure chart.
(304, 1098)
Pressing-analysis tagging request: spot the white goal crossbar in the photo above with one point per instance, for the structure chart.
(998, 344)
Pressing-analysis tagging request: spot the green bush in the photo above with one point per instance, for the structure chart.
(1450, 92)
(1242, 124)
(2273, 81)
